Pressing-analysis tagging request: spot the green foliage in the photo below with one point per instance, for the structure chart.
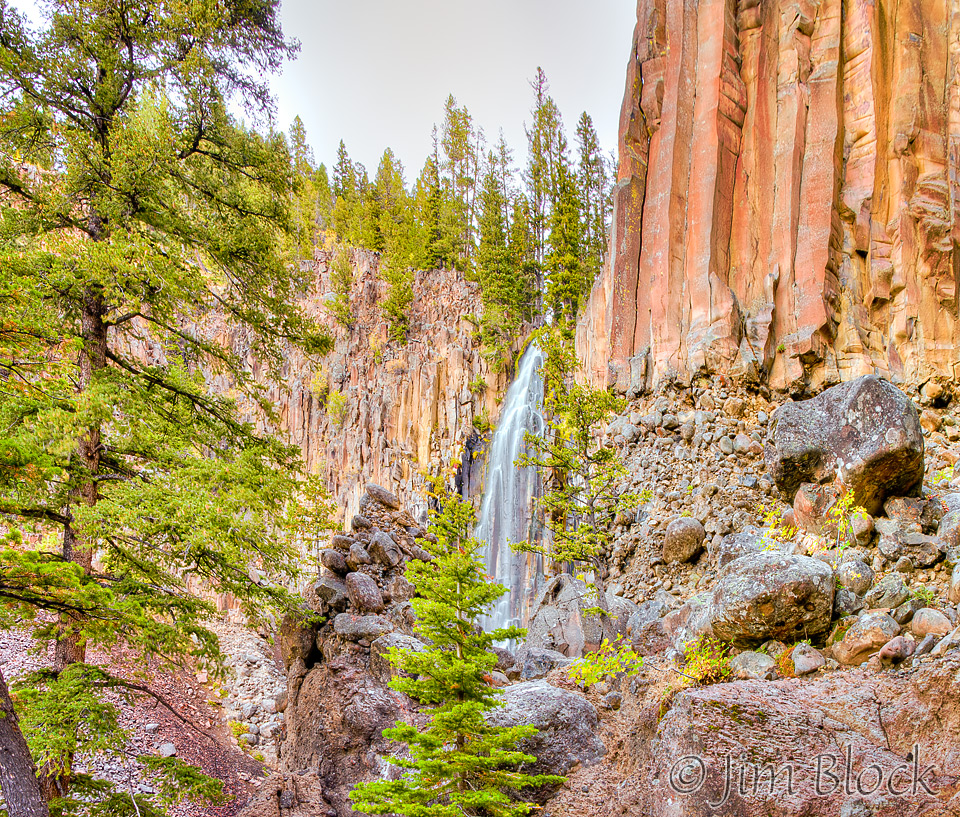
(132, 204)
(337, 409)
(925, 594)
(478, 386)
(707, 661)
(399, 297)
(613, 658)
(341, 282)
(457, 764)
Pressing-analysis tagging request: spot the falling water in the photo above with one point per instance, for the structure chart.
(505, 513)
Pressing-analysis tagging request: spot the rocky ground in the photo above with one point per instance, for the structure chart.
(188, 716)
(827, 653)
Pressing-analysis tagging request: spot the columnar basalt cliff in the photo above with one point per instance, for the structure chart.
(787, 196)
(406, 410)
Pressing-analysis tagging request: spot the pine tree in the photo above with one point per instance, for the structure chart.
(543, 149)
(594, 185)
(567, 280)
(305, 193)
(132, 205)
(458, 764)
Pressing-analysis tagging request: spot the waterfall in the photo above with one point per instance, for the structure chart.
(505, 511)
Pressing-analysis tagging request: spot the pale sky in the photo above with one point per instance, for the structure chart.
(376, 72)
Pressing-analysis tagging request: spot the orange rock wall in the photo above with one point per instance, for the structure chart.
(787, 196)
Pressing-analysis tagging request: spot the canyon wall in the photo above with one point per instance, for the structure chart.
(406, 410)
(786, 205)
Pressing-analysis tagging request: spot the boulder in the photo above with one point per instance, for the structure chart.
(385, 550)
(771, 595)
(334, 560)
(806, 659)
(364, 593)
(356, 628)
(327, 594)
(683, 541)
(896, 651)
(929, 621)
(560, 621)
(948, 532)
(753, 665)
(920, 549)
(651, 610)
(340, 541)
(380, 666)
(735, 545)
(689, 621)
(867, 635)
(953, 594)
(400, 589)
(357, 557)
(567, 725)
(866, 432)
(533, 663)
(383, 496)
(856, 575)
(811, 505)
(889, 592)
(289, 795)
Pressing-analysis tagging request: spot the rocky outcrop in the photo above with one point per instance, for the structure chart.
(400, 411)
(787, 195)
(864, 434)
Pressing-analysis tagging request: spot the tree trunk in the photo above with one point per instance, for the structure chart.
(18, 775)
(70, 648)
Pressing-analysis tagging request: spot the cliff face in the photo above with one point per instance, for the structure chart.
(407, 409)
(787, 195)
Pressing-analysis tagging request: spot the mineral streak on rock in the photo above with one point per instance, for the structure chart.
(787, 196)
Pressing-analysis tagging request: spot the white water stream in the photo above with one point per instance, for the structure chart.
(506, 509)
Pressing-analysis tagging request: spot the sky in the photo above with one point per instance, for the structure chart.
(375, 73)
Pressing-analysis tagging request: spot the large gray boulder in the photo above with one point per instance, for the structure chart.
(560, 619)
(770, 595)
(567, 725)
(866, 431)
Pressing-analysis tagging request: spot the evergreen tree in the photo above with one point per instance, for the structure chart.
(321, 181)
(458, 764)
(305, 193)
(543, 149)
(594, 185)
(567, 279)
(132, 204)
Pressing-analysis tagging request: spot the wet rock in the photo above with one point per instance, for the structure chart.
(753, 665)
(866, 430)
(771, 595)
(683, 541)
(383, 496)
(364, 594)
(889, 592)
(566, 722)
(867, 635)
(930, 622)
